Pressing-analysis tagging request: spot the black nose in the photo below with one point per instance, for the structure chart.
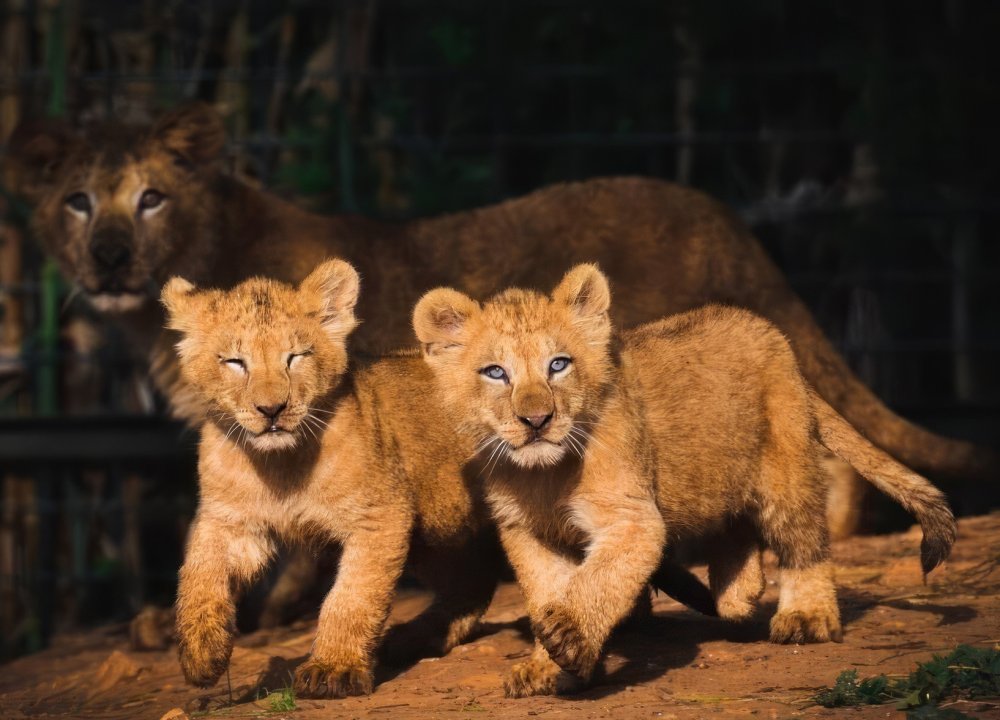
(110, 254)
(536, 421)
(271, 412)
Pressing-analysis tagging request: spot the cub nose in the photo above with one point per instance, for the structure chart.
(536, 421)
(110, 254)
(271, 412)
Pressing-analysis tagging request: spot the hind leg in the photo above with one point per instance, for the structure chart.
(844, 500)
(736, 570)
(792, 521)
(296, 578)
(463, 578)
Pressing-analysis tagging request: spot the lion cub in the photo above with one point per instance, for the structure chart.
(294, 449)
(601, 449)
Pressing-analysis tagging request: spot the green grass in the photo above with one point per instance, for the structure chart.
(967, 673)
(282, 700)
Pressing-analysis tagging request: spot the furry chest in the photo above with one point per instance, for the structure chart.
(544, 508)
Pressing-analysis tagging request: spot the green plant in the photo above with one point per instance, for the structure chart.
(965, 673)
(282, 700)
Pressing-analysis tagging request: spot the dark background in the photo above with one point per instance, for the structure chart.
(858, 139)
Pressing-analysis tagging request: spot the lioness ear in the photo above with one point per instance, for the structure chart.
(176, 297)
(331, 291)
(584, 289)
(36, 151)
(439, 319)
(192, 132)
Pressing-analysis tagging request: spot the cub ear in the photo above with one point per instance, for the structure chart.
(439, 319)
(36, 152)
(331, 291)
(584, 290)
(176, 297)
(193, 132)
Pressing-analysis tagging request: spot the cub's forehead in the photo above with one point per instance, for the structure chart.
(516, 312)
(256, 307)
(522, 324)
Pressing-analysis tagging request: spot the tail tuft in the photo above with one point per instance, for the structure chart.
(940, 533)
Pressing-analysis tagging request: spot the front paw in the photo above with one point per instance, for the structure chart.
(205, 655)
(315, 679)
(538, 677)
(566, 644)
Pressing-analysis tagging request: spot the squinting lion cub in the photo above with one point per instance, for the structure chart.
(603, 449)
(293, 450)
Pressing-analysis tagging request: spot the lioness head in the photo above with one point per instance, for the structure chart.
(120, 208)
(523, 371)
(265, 354)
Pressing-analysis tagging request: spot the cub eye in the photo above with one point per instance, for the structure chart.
(235, 364)
(78, 202)
(559, 364)
(151, 199)
(293, 358)
(494, 372)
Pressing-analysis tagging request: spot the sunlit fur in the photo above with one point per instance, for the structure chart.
(697, 424)
(357, 459)
(291, 344)
(522, 332)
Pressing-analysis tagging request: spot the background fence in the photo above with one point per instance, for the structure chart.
(858, 139)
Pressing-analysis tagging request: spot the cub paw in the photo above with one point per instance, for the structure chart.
(318, 680)
(796, 626)
(560, 635)
(536, 677)
(205, 656)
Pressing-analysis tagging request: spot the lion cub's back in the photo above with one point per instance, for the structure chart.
(710, 381)
(404, 406)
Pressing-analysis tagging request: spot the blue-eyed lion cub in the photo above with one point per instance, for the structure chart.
(601, 448)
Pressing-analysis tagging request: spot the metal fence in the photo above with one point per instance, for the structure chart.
(857, 139)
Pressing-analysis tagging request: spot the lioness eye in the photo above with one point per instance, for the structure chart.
(78, 202)
(236, 364)
(494, 372)
(151, 199)
(559, 364)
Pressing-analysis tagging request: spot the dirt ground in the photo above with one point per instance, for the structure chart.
(677, 665)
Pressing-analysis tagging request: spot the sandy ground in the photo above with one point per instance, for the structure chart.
(676, 665)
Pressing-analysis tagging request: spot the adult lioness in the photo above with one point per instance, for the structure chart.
(601, 450)
(123, 209)
(295, 448)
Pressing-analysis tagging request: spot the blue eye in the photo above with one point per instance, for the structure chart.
(494, 372)
(559, 364)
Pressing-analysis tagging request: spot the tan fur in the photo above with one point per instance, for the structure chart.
(608, 448)
(357, 459)
(668, 249)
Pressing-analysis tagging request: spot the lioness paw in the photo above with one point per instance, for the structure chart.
(797, 626)
(559, 633)
(314, 679)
